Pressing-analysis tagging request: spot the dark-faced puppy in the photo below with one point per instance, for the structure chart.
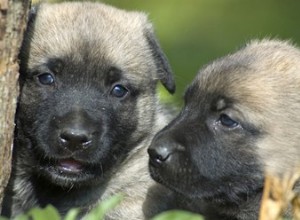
(240, 118)
(87, 110)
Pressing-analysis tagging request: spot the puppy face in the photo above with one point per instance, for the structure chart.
(239, 119)
(88, 90)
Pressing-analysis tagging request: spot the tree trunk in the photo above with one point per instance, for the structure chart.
(13, 20)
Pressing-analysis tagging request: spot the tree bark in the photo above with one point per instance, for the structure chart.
(13, 20)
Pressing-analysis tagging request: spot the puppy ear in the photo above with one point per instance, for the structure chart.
(164, 71)
(26, 41)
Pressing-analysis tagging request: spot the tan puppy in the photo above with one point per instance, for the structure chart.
(241, 118)
(88, 109)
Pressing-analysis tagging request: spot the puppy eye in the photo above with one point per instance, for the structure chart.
(46, 78)
(227, 121)
(119, 91)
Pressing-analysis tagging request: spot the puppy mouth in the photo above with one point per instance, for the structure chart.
(154, 173)
(68, 171)
(172, 178)
(70, 166)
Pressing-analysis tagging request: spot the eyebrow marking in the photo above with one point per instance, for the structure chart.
(221, 104)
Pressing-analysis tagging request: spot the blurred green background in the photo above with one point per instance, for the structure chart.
(195, 32)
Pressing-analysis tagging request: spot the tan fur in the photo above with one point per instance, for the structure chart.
(115, 29)
(264, 79)
(133, 181)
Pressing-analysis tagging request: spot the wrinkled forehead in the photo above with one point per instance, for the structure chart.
(240, 85)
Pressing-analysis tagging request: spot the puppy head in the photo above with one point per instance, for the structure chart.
(240, 119)
(88, 78)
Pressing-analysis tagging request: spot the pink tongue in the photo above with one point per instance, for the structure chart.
(69, 165)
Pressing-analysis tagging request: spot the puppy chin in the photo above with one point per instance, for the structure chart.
(172, 176)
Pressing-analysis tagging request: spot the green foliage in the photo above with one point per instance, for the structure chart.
(178, 215)
(50, 213)
(72, 214)
(104, 207)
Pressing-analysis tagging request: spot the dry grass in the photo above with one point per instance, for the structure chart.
(279, 197)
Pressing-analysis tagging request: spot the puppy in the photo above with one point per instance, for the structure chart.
(88, 109)
(240, 119)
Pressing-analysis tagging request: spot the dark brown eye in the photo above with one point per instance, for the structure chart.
(227, 121)
(46, 78)
(119, 91)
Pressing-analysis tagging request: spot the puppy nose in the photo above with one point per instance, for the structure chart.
(76, 130)
(158, 154)
(75, 139)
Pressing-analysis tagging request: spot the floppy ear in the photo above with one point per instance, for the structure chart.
(23, 54)
(30, 22)
(164, 71)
